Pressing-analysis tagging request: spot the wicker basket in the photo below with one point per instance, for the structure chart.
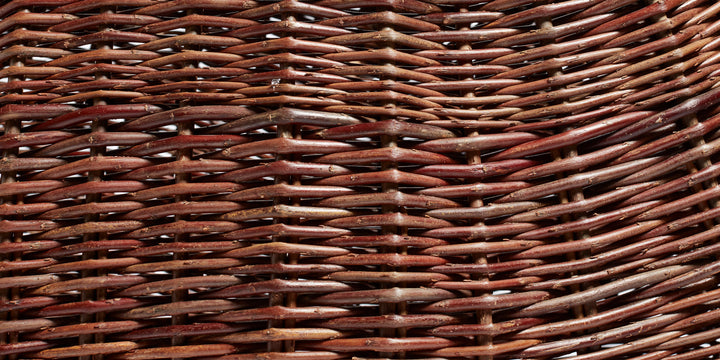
(337, 179)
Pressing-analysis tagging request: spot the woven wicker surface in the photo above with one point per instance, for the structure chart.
(396, 179)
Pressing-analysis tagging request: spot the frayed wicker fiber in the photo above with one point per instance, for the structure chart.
(359, 179)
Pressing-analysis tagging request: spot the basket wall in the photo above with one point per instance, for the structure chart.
(336, 179)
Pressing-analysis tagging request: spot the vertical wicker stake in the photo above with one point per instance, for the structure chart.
(11, 127)
(573, 195)
(97, 127)
(285, 131)
(483, 316)
(182, 154)
(389, 141)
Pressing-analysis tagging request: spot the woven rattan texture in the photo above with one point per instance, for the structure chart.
(336, 179)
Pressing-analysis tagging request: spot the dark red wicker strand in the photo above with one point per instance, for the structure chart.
(365, 179)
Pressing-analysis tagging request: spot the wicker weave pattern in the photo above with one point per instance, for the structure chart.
(397, 179)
